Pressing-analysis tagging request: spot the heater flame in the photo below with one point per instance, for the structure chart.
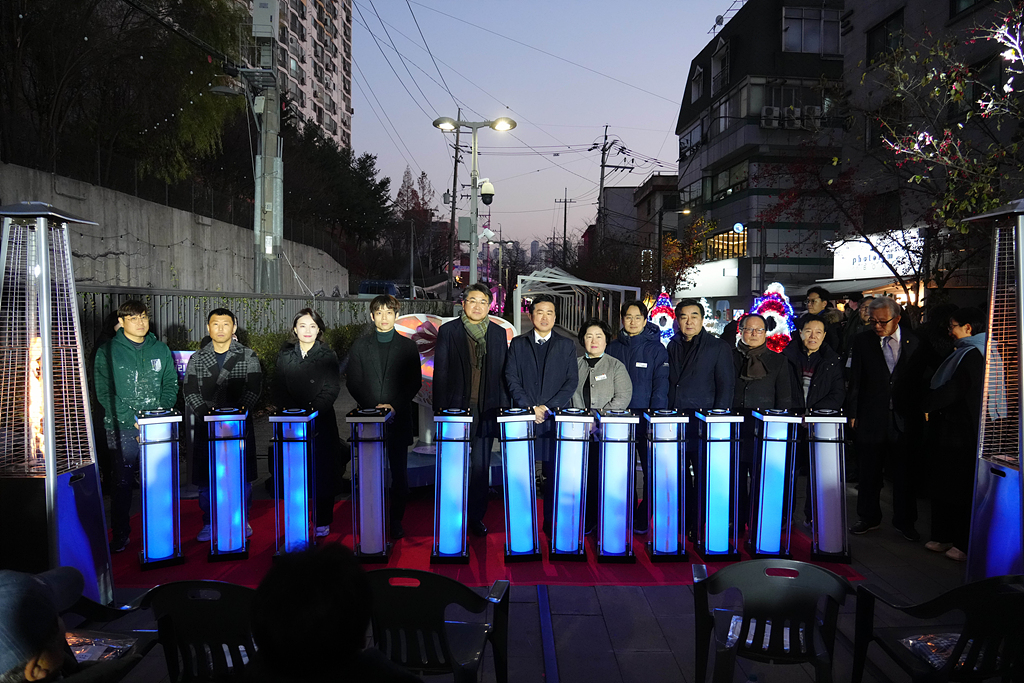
(35, 395)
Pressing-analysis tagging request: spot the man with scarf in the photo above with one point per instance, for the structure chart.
(469, 361)
(762, 383)
(701, 376)
(952, 408)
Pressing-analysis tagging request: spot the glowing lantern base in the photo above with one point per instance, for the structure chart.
(159, 432)
(451, 486)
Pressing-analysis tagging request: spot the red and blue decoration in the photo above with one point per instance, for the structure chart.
(663, 316)
(778, 315)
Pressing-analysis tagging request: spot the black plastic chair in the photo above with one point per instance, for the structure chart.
(204, 629)
(991, 634)
(410, 625)
(781, 619)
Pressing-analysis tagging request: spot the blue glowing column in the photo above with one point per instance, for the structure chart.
(771, 497)
(828, 486)
(226, 429)
(718, 524)
(451, 485)
(294, 431)
(573, 444)
(665, 438)
(519, 472)
(369, 523)
(159, 433)
(616, 490)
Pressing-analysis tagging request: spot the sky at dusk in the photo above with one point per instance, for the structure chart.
(562, 69)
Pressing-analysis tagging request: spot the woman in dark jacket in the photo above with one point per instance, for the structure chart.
(762, 383)
(307, 377)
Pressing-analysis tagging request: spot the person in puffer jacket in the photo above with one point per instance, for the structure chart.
(639, 348)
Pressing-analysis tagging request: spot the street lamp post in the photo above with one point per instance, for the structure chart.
(448, 125)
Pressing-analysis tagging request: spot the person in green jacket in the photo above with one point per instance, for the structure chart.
(133, 371)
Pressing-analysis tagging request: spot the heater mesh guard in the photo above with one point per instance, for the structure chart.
(21, 454)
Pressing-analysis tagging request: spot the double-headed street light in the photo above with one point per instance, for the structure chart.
(448, 125)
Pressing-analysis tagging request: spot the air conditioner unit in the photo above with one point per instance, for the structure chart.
(812, 117)
(791, 118)
(769, 117)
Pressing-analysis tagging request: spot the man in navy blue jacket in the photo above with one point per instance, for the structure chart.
(469, 366)
(541, 375)
(701, 376)
(640, 349)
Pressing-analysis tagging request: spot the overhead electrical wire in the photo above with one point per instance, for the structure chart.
(424, 39)
(402, 58)
(382, 111)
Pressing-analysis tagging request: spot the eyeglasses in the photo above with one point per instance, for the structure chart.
(752, 330)
(136, 318)
(812, 301)
(481, 302)
(881, 323)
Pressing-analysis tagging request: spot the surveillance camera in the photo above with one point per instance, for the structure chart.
(487, 192)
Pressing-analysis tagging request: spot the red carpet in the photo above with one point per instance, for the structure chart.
(486, 559)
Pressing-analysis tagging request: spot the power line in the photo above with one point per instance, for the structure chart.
(402, 58)
(416, 21)
(383, 111)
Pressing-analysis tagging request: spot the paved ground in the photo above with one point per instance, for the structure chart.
(628, 633)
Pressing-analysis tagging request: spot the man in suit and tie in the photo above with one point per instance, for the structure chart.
(469, 366)
(883, 404)
(384, 372)
(541, 375)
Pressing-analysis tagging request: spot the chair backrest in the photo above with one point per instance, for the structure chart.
(781, 617)
(203, 628)
(991, 641)
(408, 619)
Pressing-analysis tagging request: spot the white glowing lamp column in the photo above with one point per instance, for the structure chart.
(573, 445)
(616, 490)
(828, 486)
(369, 457)
(666, 432)
(718, 524)
(771, 500)
(451, 485)
(159, 434)
(294, 444)
(226, 434)
(519, 472)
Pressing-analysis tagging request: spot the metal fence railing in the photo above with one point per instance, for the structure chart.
(179, 317)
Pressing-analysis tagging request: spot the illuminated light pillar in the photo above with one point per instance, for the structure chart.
(666, 434)
(226, 431)
(159, 443)
(519, 472)
(771, 497)
(828, 486)
(451, 485)
(294, 448)
(718, 523)
(570, 491)
(369, 457)
(616, 489)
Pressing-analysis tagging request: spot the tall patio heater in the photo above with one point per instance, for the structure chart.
(997, 521)
(51, 508)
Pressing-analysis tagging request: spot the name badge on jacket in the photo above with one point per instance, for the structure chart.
(155, 362)
(600, 377)
(641, 365)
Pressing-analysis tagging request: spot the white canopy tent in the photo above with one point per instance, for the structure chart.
(576, 300)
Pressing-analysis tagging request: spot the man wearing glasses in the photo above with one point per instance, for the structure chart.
(469, 363)
(886, 383)
(133, 371)
(817, 303)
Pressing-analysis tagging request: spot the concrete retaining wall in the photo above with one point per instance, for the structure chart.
(141, 244)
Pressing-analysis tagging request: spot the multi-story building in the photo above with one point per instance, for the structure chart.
(656, 203)
(756, 99)
(314, 63)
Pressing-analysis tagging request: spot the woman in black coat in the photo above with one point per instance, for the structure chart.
(307, 377)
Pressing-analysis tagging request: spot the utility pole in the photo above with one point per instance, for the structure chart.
(600, 188)
(412, 260)
(661, 241)
(451, 226)
(565, 219)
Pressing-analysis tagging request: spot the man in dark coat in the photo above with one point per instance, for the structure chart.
(384, 372)
(762, 383)
(817, 301)
(701, 376)
(469, 366)
(542, 375)
(640, 349)
(222, 374)
(886, 385)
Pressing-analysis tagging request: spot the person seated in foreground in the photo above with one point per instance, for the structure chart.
(32, 642)
(310, 618)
